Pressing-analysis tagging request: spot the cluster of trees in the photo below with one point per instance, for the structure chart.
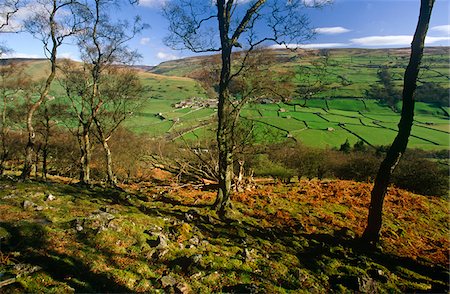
(99, 91)
(101, 94)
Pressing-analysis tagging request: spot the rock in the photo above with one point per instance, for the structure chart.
(183, 288)
(108, 210)
(28, 205)
(248, 255)
(194, 241)
(23, 269)
(50, 197)
(196, 258)
(97, 221)
(378, 275)
(39, 208)
(190, 215)
(160, 242)
(10, 196)
(168, 281)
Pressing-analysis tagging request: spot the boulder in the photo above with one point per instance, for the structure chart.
(167, 281)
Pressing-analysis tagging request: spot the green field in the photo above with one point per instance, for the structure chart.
(328, 120)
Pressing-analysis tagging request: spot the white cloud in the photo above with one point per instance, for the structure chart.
(441, 29)
(144, 41)
(312, 3)
(309, 46)
(166, 56)
(21, 55)
(331, 30)
(399, 40)
(152, 3)
(431, 40)
(24, 13)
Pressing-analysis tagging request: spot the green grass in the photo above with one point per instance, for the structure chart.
(170, 83)
(297, 238)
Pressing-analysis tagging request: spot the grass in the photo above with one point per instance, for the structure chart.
(299, 237)
(169, 83)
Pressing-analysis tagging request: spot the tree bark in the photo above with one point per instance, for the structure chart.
(111, 178)
(371, 234)
(4, 132)
(45, 146)
(26, 172)
(224, 141)
(85, 158)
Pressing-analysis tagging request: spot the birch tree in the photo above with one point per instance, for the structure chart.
(223, 26)
(53, 22)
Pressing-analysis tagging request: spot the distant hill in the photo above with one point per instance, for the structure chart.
(339, 113)
(184, 67)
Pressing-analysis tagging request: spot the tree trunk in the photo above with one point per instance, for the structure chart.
(108, 156)
(224, 142)
(45, 150)
(29, 149)
(374, 221)
(4, 132)
(85, 158)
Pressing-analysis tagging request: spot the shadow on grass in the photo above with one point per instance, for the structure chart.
(30, 239)
(315, 252)
(319, 249)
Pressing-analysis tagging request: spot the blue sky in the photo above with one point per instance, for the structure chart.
(345, 23)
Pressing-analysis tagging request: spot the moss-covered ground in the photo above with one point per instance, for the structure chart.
(280, 238)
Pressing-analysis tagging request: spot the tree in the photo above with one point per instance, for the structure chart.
(103, 47)
(221, 27)
(312, 78)
(120, 90)
(385, 91)
(57, 21)
(374, 221)
(7, 9)
(12, 81)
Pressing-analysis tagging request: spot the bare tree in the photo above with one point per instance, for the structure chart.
(120, 90)
(12, 81)
(221, 26)
(103, 47)
(372, 232)
(52, 24)
(7, 9)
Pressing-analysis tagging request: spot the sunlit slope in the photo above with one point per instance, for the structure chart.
(349, 73)
(328, 121)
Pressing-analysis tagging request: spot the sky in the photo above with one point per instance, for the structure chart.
(343, 24)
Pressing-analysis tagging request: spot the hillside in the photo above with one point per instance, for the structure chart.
(357, 67)
(301, 237)
(327, 121)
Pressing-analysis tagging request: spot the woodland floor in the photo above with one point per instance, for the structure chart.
(281, 238)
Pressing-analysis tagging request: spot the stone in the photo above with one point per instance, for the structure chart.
(196, 258)
(10, 196)
(28, 205)
(160, 242)
(183, 288)
(247, 255)
(194, 240)
(168, 281)
(39, 208)
(50, 197)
